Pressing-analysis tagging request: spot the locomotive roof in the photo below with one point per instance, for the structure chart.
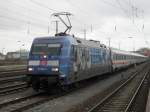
(71, 39)
(89, 43)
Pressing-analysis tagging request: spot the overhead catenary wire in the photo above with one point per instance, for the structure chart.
(77, 7)
(129, 16)
(19, 5)
(22, 18)
(23, 21)
(21, 15)
(110, 3)
(85, 13)
(44, 6)
(51, 10)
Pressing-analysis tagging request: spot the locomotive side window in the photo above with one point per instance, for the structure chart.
(74, 52)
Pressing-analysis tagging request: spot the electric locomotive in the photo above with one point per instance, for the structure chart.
(64, 59)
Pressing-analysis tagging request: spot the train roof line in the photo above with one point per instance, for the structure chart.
(126, 52)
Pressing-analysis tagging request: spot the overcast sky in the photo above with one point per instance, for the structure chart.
(23, 20)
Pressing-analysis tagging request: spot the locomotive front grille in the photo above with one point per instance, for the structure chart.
(53, 62)
(33, 63)
(49, 63)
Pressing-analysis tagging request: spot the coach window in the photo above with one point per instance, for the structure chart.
(117, 57)
(114, 57)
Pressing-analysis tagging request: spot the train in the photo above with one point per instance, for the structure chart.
(65, 60)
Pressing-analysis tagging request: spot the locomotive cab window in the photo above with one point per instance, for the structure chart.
(51, 49)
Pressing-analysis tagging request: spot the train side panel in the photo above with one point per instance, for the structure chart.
(88, 62)
(122, 59)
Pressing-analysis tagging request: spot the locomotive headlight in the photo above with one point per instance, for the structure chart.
(55, 69)
(44, 56)
(63, 76)
(30, 69)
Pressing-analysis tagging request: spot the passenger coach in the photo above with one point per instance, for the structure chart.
(121, 59)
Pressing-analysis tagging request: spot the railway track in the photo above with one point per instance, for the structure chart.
(12, 76)
(7, 104)
(26, 102)
(6, 89)
(12, 68)
(12, 79)
(121, 99)
(10, 73)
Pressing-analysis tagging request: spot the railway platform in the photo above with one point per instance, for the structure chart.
(148, 103)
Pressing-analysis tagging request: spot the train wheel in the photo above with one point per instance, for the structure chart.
(29, 81)
(76, 84)
(36, 85)
(65, 88)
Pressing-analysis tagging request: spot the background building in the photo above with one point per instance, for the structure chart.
(2, 56)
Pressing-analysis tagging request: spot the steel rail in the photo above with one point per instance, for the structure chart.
(12, 88)
(13, 70)
(136, 92)
(12, 73)
(111, 94)
(18, 100)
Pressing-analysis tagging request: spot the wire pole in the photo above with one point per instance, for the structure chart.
(56, 26)
(48, 28)
(84, 34)
(119, 45)
(109, 39)
(28, 27)
(56, 23)
(91, 28)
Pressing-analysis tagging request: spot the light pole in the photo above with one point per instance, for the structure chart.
(19, 48)
(119, 43)
(3, 50)
(109, 41)
(132, 43)
(22, 44)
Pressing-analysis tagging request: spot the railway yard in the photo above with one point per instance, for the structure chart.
(74, 56)
(122, 91)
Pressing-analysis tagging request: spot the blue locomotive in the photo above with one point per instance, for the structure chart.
(65, 60)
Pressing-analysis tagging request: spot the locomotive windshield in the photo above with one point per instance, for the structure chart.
(51, 49)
